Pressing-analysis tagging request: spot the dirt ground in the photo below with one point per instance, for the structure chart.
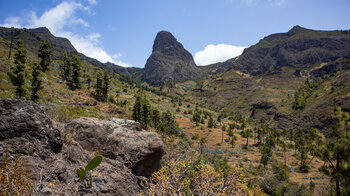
(251, 156)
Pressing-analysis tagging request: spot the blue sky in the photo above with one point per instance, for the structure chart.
(123, 31)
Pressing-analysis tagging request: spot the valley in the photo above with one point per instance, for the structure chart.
(254, 116)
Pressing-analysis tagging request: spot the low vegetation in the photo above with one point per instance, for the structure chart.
(206, 148)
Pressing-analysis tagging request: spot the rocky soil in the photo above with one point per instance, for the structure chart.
(52, 152)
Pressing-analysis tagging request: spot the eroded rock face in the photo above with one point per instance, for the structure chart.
(28, 128)
(52, 152)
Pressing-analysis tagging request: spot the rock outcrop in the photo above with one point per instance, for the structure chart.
(169, 61)
(52, 152)
(265, 112)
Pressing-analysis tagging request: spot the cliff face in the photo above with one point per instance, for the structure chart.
(169, 61)
(53, 152)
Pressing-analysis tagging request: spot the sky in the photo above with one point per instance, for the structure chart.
(123, 31)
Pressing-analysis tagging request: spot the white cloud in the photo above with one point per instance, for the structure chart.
(92, 2)
(278, 2)
(12, 22)
(64, 15)
(217, 53)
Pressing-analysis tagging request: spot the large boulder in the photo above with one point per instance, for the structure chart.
(121, 140)
(26, 129)
(52, 151)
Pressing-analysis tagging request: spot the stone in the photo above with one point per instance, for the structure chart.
(52, 152)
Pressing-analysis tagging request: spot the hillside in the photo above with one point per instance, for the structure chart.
(263, 83)
(229, 130)
(33, 37)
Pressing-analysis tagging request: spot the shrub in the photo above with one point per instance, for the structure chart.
(181, 178)
(13, 177)
(195, 136)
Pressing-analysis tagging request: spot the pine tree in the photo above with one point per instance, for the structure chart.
(196, 118)
(246, 134)
(117, 94)
(98, 86)
(168, 124)
(231, 134)
(66, 67)
(145, 112)
(105, 86)
(45, 53)
(136, 115)
(36, 82)
(336, 151)
(211, 123)
(223, 129)
(202, 142)
(18, 73)
(76, 72)
(155, 119)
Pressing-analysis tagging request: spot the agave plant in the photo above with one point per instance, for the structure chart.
(81, 172)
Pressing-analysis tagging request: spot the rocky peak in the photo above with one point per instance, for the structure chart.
(169, 61)
(296, 29)
(167, 44)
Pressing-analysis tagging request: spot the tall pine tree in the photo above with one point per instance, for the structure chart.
(105, 86)
(136, 115)
(98, 86)
(18, 73)
(145, 112)
(336, 152)
(67, 70)
(45, 53)
(76, 72)
(36, 82)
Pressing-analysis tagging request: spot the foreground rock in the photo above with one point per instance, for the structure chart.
(53, 152)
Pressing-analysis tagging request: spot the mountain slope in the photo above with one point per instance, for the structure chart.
(169, 61)
(32, 39)
(299, 48)
(270, 79)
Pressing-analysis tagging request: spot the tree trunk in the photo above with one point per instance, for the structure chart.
(285, 159)
(222, 137)
(247, 142)
(11, 42)
(337, 184)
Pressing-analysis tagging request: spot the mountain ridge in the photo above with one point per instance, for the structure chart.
(33, 37)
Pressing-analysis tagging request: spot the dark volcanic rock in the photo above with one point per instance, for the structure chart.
(331, 68)
(129, 153)
(27, 127)
(169, 61)
(265, 112)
